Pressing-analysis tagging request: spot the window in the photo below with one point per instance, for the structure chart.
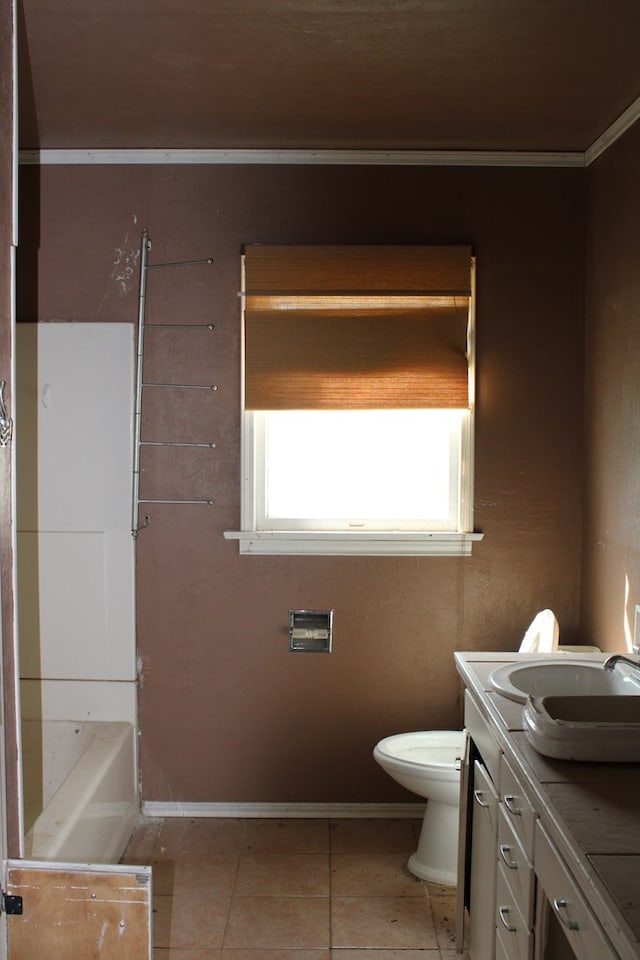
(358, 400)
(359, 469)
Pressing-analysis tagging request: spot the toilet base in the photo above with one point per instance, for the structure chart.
(436, 859)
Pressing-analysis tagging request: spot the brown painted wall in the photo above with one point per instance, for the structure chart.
(227, 714)
(611, 584)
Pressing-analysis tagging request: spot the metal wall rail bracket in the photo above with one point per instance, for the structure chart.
(138, 443)
(152, 500)
(184, 386)
(178, 263)
(175, 443)
(197, 326)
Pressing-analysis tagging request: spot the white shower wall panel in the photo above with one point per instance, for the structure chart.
(75, 550)
(78, 700)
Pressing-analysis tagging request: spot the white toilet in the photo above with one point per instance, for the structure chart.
(428, 763)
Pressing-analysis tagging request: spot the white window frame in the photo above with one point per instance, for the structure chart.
(359, 542)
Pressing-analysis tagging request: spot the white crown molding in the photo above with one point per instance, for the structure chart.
(423, 158)
(612, 133)
(408, 158)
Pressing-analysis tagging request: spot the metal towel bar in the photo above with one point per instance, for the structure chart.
(145, 247)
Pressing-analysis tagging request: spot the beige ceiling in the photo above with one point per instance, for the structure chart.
(325, 74)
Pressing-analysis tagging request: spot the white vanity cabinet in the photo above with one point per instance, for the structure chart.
(524, 901)
(499, 882)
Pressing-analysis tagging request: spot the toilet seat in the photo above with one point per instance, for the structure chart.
(437, 748)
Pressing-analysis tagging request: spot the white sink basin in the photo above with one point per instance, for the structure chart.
(520, 680)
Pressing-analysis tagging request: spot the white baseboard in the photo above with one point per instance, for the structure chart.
(311, 811)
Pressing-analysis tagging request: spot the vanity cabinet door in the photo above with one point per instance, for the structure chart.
(464, 843)
(566, 928)
(512, 929)
(483, 865)
(519, 812)
(517, 867)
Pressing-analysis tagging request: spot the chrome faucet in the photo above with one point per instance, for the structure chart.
(611, 661)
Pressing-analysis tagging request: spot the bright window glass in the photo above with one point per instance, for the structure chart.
(358, 469)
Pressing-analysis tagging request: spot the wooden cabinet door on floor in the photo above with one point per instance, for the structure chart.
(79, 911)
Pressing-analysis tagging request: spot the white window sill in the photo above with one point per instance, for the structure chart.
(352, 544)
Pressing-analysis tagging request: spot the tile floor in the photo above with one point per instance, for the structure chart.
(227, 889)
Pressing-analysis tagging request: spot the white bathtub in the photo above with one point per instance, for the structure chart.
(80, 797)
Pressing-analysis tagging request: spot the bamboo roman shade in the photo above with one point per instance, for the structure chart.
(356, 327)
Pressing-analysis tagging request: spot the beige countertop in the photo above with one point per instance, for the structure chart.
(590, 810)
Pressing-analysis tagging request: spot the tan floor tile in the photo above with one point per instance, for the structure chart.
(214, 873)
(278, 922)
(142, 841)
(440, 889)
(278, 872)
(287, 836)
(372, 836)
(283, 875)
(444, 918)
(383, 922)
(184, 837)
(191, 920)
(373, 875)
(161, 918)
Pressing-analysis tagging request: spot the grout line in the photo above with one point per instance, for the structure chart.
(232, 895)
(330, 847)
